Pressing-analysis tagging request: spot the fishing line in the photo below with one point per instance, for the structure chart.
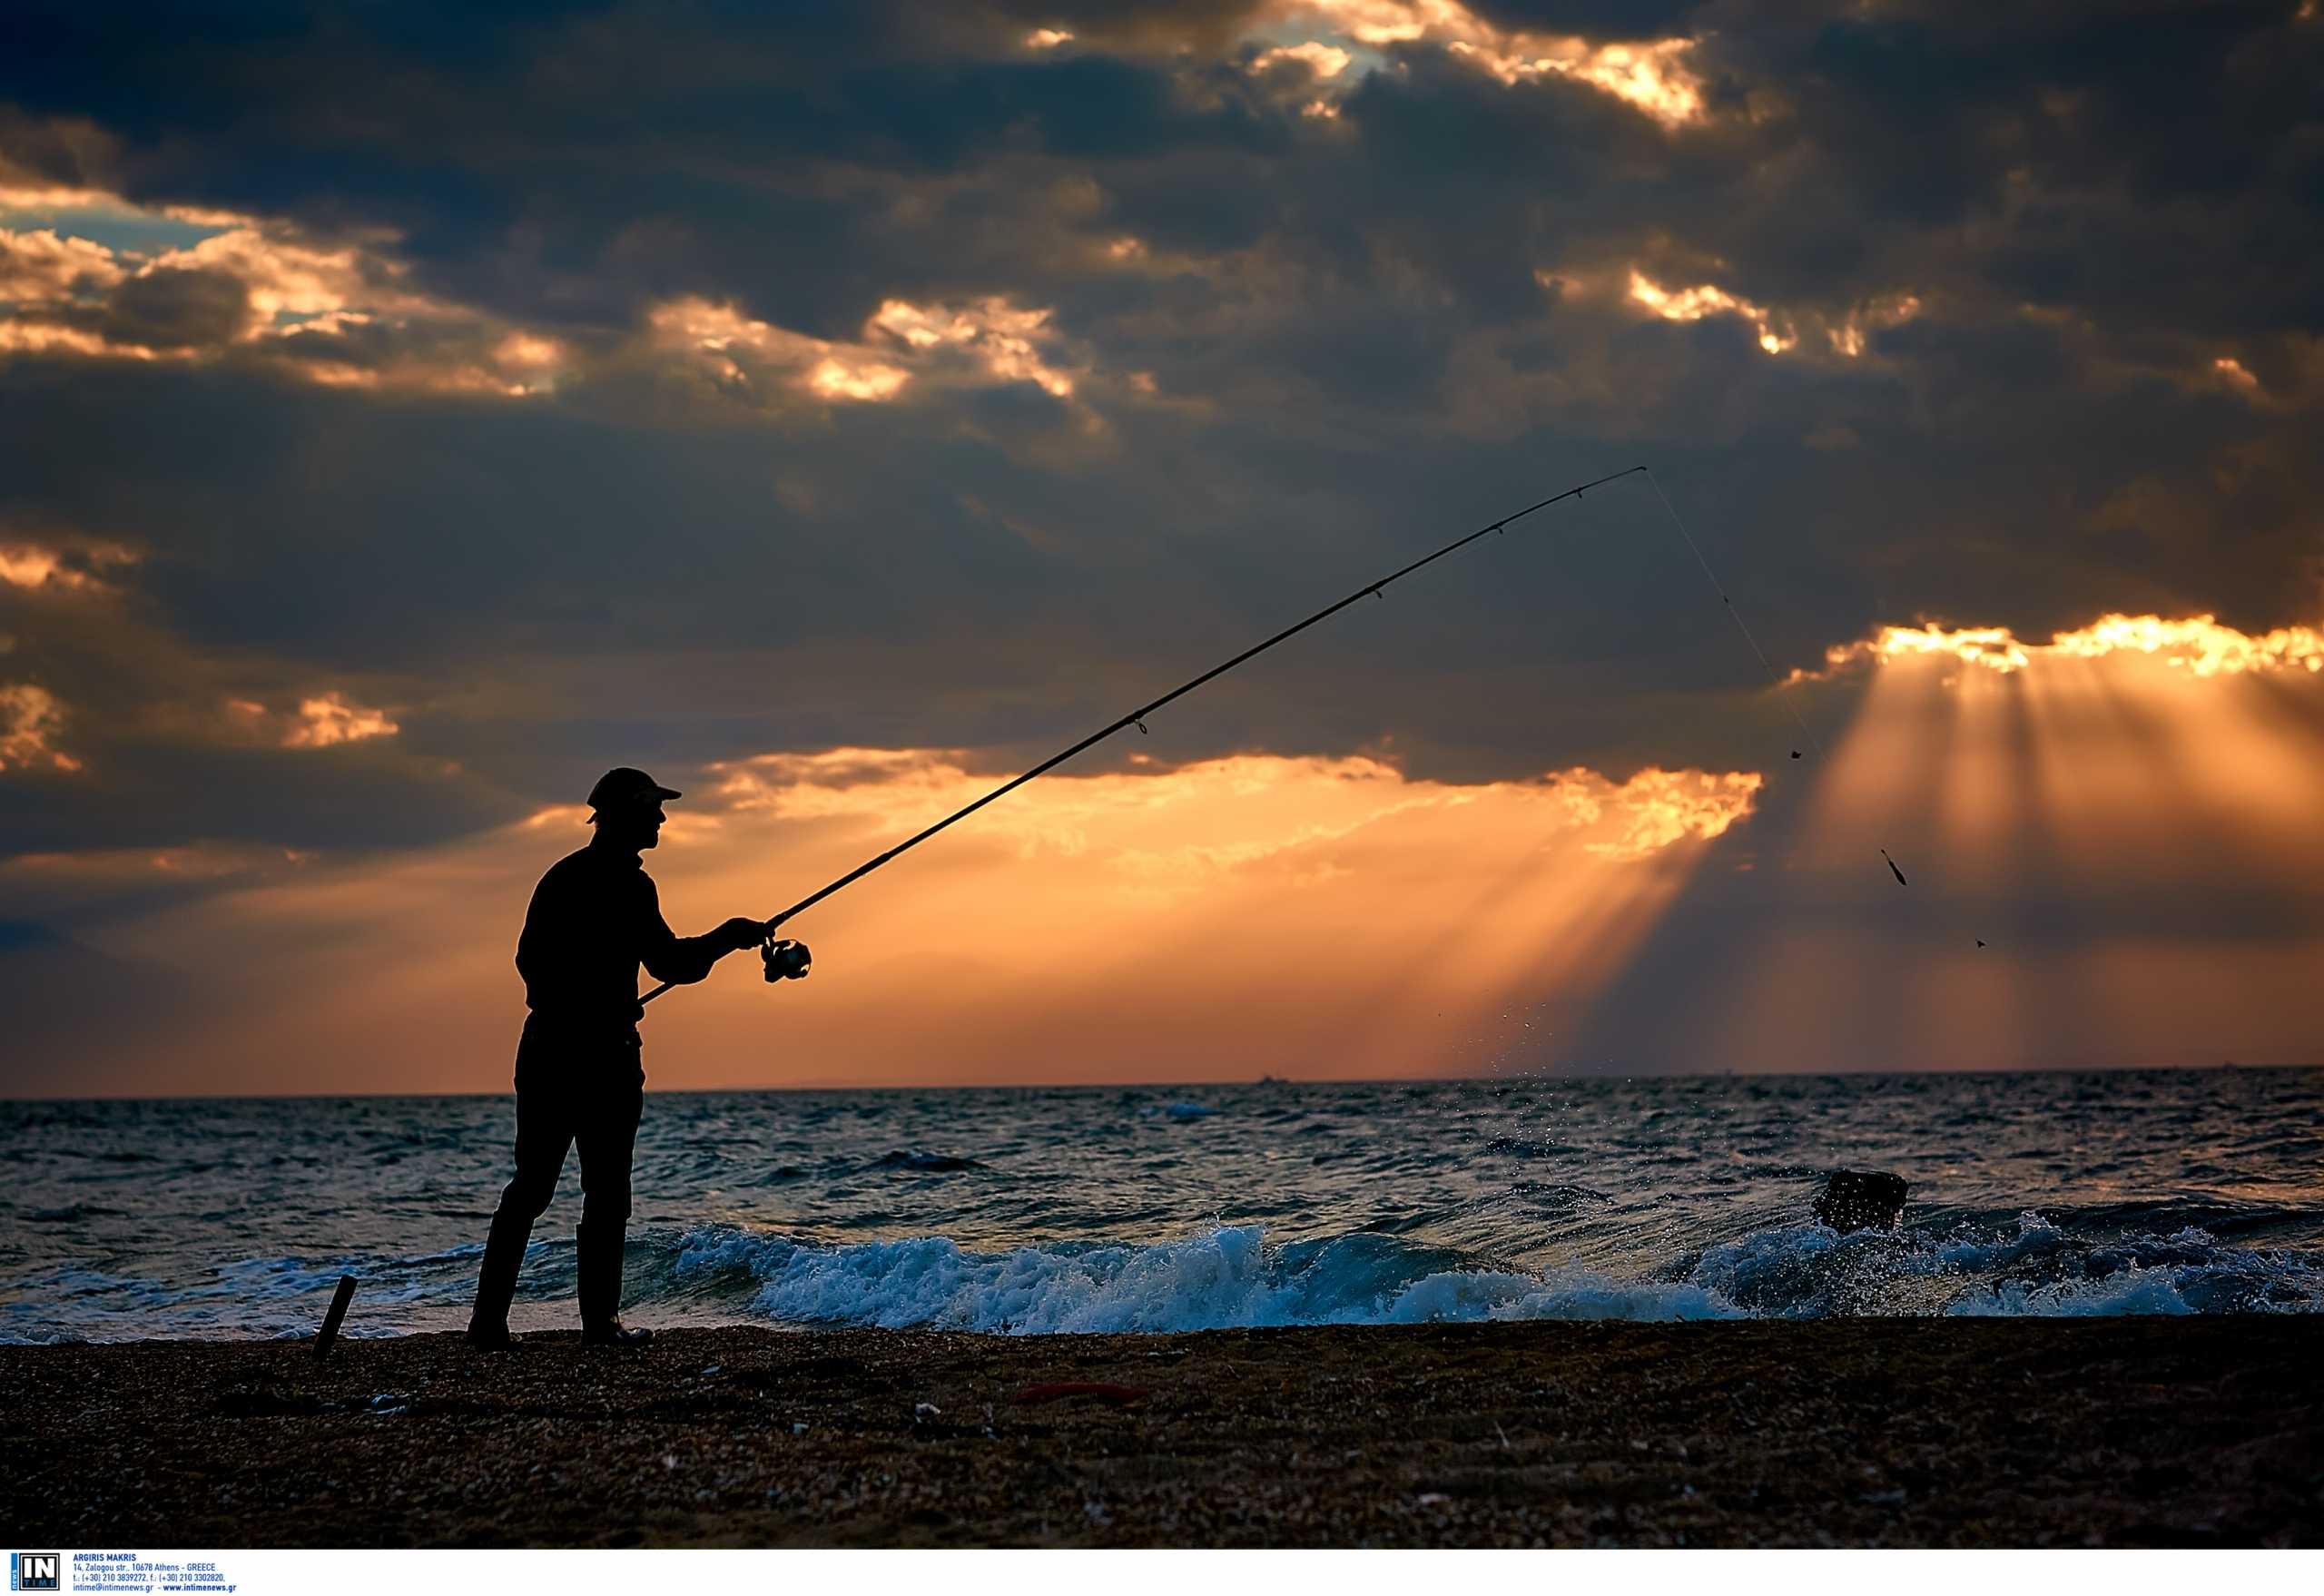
(1137, 717)
(776, 955)
(1720, 587)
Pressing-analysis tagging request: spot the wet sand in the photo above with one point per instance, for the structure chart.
(1914, 1433)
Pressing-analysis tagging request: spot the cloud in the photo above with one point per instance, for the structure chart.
(177, 309)
(981, 341)
(1232, 811)
(2198, 644)
(1779, 332)
(74, 567)
(40, 265)
(1655, 77)
(1002, 338)
(1319, 60)
(323, 721)
(255, 292)
(30, 720)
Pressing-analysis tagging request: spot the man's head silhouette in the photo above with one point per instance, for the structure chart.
(626, 806)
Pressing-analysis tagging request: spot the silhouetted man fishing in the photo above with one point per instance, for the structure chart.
(594, 918)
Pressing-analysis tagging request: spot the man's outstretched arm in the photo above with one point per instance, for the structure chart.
(682, 961)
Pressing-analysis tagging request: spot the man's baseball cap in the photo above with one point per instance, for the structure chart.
(624, 785)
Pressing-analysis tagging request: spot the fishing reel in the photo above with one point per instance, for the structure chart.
(785, 960)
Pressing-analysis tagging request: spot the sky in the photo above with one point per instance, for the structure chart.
(409, 413)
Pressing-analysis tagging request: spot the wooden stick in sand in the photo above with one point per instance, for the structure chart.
(345, 1295)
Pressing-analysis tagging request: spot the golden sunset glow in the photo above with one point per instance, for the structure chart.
(1779, 332)
(30, 719)
(39, 265)
(1653, 77)
(272, 294)
(2233, 370)
(868, 379)
(1649, 76)
(2134, 759)
(1259, 914)
(38, 338)
(2197, 644)
(999, 342)
(723, 337)
(1325, 61)
(1005, 339)
(33, 566)
(1692, 304)
(327, 720)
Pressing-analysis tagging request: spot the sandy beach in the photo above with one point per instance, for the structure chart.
(1909, 1433)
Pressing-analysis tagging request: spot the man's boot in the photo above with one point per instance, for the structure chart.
(597, 1250)
(496, 1281)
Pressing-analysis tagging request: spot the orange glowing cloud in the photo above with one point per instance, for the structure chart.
(1779, 331)
(1692, 304)
(30, 719)
(2198, 644)
(1228, 813)
(1323, 61)
(35, 566)
(997, 341)
(323, 720)
(1653, 77)
(1004, 339)
(738, 348)
(40, 265)
(298, 295)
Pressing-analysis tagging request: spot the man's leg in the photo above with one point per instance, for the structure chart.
(608, 1136)
(545, 1131)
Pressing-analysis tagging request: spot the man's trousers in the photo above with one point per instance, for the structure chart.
(587, 1089)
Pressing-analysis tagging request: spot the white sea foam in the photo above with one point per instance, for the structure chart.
(1231, 1277)
(2134, 1291)
(1228, 1277)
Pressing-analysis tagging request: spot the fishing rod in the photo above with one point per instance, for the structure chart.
(789, 960)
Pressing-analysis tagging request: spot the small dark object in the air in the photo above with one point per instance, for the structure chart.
(1981, 942)
(340, 1299)
(1794, 753)
(1861, 1199)
(1054, 1390)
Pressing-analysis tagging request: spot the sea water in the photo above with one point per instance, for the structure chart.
(1160, 1208)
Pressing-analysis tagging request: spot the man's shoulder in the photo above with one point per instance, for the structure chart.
(589, 867)
(573, 863)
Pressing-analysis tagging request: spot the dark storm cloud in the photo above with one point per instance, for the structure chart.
(175, 308)
(533, 156)
(1361, 335)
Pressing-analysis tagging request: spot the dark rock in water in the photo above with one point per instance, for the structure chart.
(1861, 1199)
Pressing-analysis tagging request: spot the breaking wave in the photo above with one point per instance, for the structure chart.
(1231, 1277)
